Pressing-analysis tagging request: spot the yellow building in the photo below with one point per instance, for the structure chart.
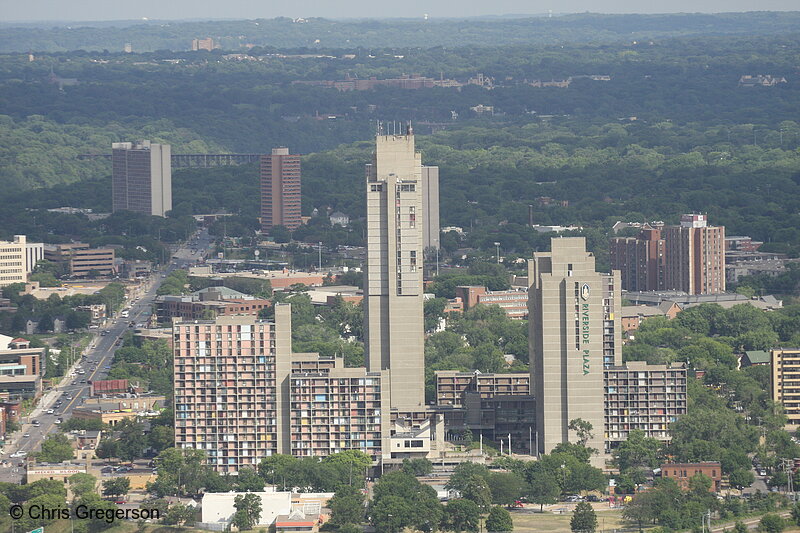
(13, 261)
(786, 381)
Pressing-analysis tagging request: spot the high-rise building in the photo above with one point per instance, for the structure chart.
(640, 260)
(232, 388)
(573, 336)
(393, 302)
(430, 207)
(242, 395)
(280, 190)
(141, 177)
(13, 261)
(695, 255)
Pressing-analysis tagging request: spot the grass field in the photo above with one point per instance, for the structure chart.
(607, 520)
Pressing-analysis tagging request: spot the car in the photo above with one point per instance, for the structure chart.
(36, 423)
(573, 499)
(26, 436)
(58, 421)
(19, 454)
(103, 333)
(50, 411)
(83, 381)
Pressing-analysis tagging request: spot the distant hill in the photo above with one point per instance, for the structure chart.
(148, 36)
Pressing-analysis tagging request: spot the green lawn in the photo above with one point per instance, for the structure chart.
(559, 523)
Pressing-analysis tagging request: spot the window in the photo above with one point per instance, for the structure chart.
(412, 216)
(413, 261)
(407, 188)
(376, 188)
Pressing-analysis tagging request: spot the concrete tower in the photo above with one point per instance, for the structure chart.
(393, 284)
(141, 177)
(573, 337)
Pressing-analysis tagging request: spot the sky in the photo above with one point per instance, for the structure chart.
(88, 10)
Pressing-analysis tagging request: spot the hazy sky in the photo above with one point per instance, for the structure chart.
(84, 10)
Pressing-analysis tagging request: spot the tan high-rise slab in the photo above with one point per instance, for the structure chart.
(393, 305)
(573, 336)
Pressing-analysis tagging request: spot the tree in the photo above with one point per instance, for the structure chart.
(637, 451)
(81, 484)
(462, 474)
(417, 467)
(584, 519)
(477, 491)
(347, 506)
(463, 515)
(543, 488)
(741, 478)
(179, 514)
(772, 523)
(499, 520)
(506, 488)
(641, 510)
(391, 514)
(248, 480)
(56, 449)
(248, 511)
(582, 428)
(117, 486)
(796, 513)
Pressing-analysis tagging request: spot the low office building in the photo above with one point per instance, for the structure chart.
(642, 396)
(632, 316)
(112, 411)
(209, 303)
(452, 385)
(218, 510)
(513, 301)
(81, 261)
(785, 382)
(682, 473)
(53, 471)
(21, 370)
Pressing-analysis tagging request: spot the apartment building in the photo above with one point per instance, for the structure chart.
(80, 260)
(13, 263)
(641, 260)
(785, 383)
(695, 256)
(141, 177)
(280, 190)
(642, 396)
(231, 388)
(337, 410)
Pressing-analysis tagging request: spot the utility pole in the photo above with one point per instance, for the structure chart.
(320, 256)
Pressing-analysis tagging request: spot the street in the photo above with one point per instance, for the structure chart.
(95, 364)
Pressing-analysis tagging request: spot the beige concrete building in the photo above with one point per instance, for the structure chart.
(34, 252)
(141, 177)
(430, 207)
(573, 335)
(785, 383)
(13, 263)
(394, 328)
